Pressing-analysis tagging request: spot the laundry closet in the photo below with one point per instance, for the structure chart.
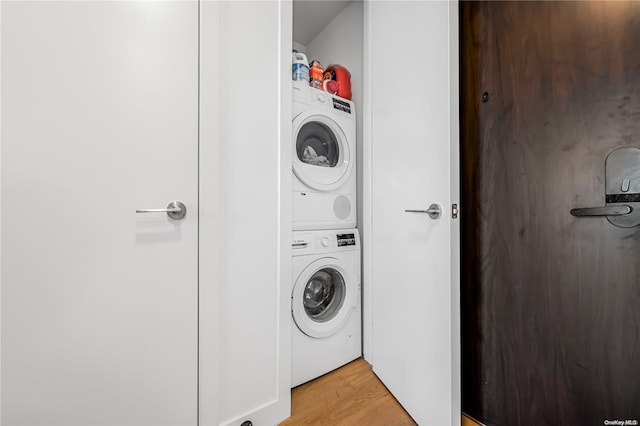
(402, 57)
(148, 200)
(326, 305)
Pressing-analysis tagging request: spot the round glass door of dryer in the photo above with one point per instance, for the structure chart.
(322, 300)
(322, 157)
(317, 145)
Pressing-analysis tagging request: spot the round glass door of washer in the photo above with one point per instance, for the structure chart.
(321, 300)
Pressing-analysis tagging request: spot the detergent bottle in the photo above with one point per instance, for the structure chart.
(316, 72)
(300, 67)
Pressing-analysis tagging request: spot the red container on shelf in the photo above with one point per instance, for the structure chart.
(342, 76)
(330, 86)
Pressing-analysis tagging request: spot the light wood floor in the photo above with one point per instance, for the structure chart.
(468, 421)
(349, 396)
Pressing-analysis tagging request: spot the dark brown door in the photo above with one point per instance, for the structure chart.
(551, 302)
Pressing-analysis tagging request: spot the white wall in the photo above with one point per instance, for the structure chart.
(300, 47)
(341, 42)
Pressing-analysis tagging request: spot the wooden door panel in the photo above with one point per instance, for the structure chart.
(550, 301)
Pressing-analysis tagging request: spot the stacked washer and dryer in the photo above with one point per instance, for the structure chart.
(325, 293)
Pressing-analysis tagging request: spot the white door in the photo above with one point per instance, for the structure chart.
(99, 304)
(245, 212)
(410, 261)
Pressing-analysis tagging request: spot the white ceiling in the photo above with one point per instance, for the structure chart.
(311, 16)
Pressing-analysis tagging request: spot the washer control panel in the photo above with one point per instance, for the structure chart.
(306, 242)
(346, 240)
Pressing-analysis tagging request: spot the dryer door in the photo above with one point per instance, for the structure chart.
(322, 157)
(323, 298)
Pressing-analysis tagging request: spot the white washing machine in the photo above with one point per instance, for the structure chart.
(324, 160)
(325, 302)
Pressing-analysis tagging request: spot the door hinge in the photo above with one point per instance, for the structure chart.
(454, 211)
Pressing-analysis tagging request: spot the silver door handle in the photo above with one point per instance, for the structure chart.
(175, 210)
(434, 211)
(602, 211)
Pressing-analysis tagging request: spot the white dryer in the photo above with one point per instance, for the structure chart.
(325, 302)
(324, 160)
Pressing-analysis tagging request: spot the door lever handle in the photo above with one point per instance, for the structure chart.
(602, 211)
(175, 210)
(434, 211)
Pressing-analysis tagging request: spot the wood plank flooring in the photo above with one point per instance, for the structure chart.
(468, 421)
(349, 396)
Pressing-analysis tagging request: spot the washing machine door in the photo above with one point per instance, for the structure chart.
(323, 298)
(322, 157)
